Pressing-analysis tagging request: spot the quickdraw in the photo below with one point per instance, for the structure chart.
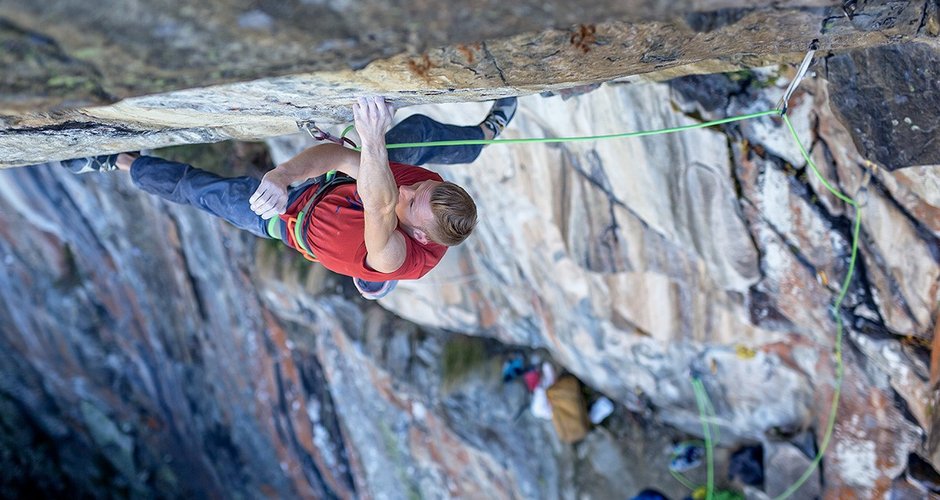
(784, 102)
(319, 134)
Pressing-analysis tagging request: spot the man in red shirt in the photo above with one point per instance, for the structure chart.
(389, 220)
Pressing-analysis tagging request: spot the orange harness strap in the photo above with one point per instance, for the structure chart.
(292, 241)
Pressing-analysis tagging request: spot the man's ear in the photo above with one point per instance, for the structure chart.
(420, 235)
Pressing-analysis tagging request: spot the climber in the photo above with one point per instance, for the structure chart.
(385, 220)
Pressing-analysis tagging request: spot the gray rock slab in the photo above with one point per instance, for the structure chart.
(784, 464)
(889, 99)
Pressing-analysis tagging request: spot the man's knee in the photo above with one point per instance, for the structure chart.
(414, 126)
(417, 119)
(141, 169)
(410, 130)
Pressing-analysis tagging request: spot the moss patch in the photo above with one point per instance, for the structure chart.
(461, 356)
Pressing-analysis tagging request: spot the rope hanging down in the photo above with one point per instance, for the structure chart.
(702, 401)
(697, 385)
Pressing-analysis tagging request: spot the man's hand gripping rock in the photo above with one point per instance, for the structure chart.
(373, 118)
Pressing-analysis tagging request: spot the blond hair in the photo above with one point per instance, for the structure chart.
(454, 212)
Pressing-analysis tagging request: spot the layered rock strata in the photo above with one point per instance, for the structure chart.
(212, 72)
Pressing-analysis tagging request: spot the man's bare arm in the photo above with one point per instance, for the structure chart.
(385, 246)
(318, 160)
(270, 199)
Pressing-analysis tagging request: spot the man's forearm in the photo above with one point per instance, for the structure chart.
(386, 248)
(375, 183)
(316, 161)
(379, 194)
(272, 194)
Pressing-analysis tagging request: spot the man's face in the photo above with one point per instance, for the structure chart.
(414, 206)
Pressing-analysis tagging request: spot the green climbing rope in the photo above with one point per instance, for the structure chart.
(543, 140)
(706, 429)
(701, 395)
(682, 479)
(837, 391)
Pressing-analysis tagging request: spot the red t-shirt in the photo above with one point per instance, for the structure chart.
(336, 233)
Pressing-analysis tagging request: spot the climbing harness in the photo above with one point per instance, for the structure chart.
(295, 227)
(302, 222)
(705, 409)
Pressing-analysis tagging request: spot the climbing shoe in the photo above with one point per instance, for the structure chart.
(374, 290)
(500, 114)
(105, 163)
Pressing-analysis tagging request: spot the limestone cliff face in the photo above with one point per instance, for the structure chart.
(150, 350)
(639, 262)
